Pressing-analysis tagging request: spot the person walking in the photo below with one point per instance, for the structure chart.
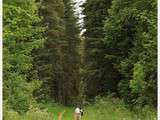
(77, 114)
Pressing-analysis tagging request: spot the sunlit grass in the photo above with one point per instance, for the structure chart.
(106, 109)
(103, 109)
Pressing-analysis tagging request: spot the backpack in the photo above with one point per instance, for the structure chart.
(81, 112)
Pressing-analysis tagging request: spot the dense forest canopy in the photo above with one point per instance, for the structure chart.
(47, 60)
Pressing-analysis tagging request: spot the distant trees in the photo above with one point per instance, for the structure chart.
(120, 49)
(100, 76)
(45, 57)
(131, 38)
(71, 65)
(58, 61)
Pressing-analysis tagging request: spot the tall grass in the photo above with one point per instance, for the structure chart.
(103, 109)
(115, 109)
(55, 109)
(34, 114)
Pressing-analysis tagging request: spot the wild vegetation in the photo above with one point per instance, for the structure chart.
(48, 67)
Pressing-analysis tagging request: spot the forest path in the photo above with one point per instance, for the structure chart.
(107, 111)
(60, 115)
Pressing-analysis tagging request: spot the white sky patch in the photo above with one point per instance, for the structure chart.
(78, 12)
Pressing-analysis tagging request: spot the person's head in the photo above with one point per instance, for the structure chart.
(78, 105)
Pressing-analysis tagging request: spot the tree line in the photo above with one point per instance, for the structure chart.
(46, 59)
(121, 49)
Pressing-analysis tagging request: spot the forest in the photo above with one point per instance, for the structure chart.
(52, 62)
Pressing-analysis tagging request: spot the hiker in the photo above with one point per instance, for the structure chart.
(78, 113)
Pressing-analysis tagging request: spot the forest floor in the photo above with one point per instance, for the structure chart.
(93, 112)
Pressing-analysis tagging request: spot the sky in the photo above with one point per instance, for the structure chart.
(79, 12)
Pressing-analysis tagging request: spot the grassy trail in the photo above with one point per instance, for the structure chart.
(106, 112)
(60, 115)
(105, 109)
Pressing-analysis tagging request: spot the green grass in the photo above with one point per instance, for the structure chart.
(35, 114)
(56, 109)
(104, 109)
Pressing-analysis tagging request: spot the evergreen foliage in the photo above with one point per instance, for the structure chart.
(45, 59)
(58, 61)
(131, 38)
(99, 76)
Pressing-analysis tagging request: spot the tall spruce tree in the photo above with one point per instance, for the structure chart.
(100, 75)
(58, 61)
(71, 59)
(47, 59)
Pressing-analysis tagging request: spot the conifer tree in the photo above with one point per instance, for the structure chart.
(71, 56)
(58, 61)
(47, 59)
(131, 40)
(99, 74)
